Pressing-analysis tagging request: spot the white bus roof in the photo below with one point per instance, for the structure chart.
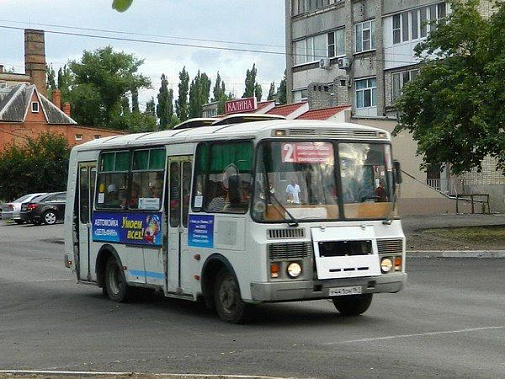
(262, 129)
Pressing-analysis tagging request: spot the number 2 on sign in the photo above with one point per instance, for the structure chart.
(288, 151)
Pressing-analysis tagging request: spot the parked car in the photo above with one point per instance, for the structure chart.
(10, 211)
(47, 209)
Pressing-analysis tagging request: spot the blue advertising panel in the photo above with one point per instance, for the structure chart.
(131, 228)
(201, 231)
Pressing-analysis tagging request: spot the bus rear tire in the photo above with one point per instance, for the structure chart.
(115, 282)
(353, 305)
(229, 304)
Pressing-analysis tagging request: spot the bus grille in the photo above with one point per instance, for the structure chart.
(289, 250)
(390, 246)
(285, 233)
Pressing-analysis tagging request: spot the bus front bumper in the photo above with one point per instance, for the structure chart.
(320, 289)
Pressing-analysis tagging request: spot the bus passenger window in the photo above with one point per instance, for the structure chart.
(147, 174)
(225, 170)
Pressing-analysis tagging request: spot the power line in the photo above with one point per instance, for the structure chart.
(143, 34)
(186, 45)
(151, 41)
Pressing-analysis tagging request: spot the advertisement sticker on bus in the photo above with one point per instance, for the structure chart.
(307, 152)
(129, 228)
(201, 231)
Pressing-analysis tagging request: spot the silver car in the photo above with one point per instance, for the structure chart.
(10, 211)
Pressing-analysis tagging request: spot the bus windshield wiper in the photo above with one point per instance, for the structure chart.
(294, 221)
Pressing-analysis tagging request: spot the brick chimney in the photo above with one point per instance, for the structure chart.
(66, 109)
(35, 58)
(57, 98)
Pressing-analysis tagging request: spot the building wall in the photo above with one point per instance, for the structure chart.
(18, 132)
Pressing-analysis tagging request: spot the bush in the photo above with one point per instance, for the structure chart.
(40, 165)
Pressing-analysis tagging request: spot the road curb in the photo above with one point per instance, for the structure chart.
(36, 374)
(456, 254)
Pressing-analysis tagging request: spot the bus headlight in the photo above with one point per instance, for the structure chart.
(386, 265)
(294, 270)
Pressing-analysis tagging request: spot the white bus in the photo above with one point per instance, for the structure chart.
(239, 213)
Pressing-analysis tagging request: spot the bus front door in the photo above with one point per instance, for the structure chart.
(179, 187)
(87, 177)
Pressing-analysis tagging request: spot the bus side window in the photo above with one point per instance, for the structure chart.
(113, 179)
(226, 169)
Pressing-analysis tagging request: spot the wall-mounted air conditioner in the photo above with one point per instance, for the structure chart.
(325, 63)
(343, 63)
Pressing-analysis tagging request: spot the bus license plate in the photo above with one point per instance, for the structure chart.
(345, 291)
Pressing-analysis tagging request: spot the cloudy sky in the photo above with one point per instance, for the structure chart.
(205, 35)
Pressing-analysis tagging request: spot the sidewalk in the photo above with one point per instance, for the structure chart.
(413, 224)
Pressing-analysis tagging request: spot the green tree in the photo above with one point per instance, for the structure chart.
(198, 94)
(135, 100)
(100, 81)
(151, 107)
(219, 94)
(174, 121)
(282, 96)
(181, 104)
(38, 165)
(250, 81)
(51, 80)
(251, 87)
(165, 107)
(454, 107)
(64, 81)
(271, 92)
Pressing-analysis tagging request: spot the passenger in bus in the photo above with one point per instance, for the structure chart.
(155, 190)
(380, 192)
(234, 193)
(134, 198)
(293, 192)
(220, 200)
(113, 196)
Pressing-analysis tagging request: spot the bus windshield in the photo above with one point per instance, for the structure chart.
(322, 180)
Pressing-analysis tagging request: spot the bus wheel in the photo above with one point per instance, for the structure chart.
(229, 304)
(115, 282)
(352, 305)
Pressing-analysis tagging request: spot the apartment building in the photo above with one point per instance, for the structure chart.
(358, 52)
(361, 52)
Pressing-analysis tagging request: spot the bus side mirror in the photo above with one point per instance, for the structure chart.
(397, 172)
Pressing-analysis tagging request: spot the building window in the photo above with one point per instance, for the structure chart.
(78, 137)
(365, 36)
(415, 24)
(400, 79)
(300, 95)
(97, 136)
(312, 49)
(336, 43)
(35, 107)
(366, 93)
(303, 6)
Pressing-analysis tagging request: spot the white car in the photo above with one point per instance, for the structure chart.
(10, 211)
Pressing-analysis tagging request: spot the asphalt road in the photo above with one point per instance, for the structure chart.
(448, 322)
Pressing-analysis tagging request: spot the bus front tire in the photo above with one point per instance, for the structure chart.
(115, 285)
(229, 304)
(353, 305)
